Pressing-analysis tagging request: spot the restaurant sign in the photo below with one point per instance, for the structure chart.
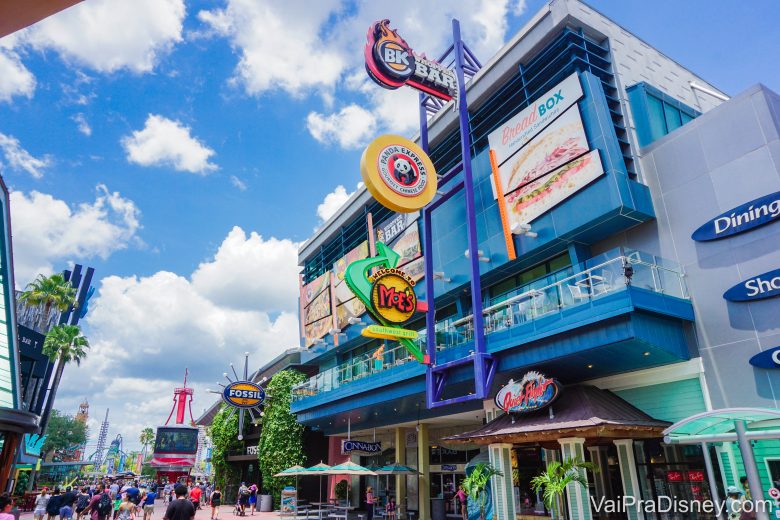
(349, 446)
(759, 287)
(531, 393)
(391, 63)
(749, 215)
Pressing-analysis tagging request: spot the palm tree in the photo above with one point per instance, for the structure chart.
(146, 438)
(556, 477)
(475, 484)
(63, 344)
(49, 292)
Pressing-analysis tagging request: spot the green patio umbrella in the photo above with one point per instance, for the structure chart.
(349, 468)
(294, 471)
(395, 469)
(320, 470)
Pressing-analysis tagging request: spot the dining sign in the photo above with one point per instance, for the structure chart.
(532, 392)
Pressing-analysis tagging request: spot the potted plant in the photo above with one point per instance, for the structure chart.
(553, 481)
(341, 490)
(475, 485)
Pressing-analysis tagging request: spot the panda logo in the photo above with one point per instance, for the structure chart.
(403, 171)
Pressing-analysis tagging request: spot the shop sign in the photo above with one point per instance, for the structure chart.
(392, 295)
(349, 446)
(243, 394)
(767, 359)
(531, 393)
(696, 476)
(251, 450)
(398, 173)
(392, 333)
(526, 124)
(448, 467)
(759, 287)
(388, 230)
(674, 476)
(391, 63)
(750, 215)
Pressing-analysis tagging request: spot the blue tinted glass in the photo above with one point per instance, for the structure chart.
(686, 117)
(656, 115)
(672, 117)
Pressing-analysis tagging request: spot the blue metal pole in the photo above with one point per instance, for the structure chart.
(471, 223)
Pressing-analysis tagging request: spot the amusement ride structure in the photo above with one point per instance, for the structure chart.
(176, 445)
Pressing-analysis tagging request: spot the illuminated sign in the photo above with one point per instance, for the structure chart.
(398, 173)
(391, 63)
(533, 392)
(381, 332)
(392, 295)
(767, 359)
(348, 446)
(243, 394)
(750, 215)
(759, 287)
(388, 296)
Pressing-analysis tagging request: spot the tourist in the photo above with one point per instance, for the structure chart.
(114, 490)
(370, 501)
(195, 494)
(733, 503)
(53, 507)
(743, 482)
(148, 503)
(463, 501)
(5, 508)
(66, 504)
(180, 508)
(100, 505)
(82, 501)
(390, 509)
(126, 508)
(252, 499)
(215, 500)
(243, 497)
(41, 501)
(209, 491)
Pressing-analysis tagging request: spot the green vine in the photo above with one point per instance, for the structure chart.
(224, 437)
(281, 439)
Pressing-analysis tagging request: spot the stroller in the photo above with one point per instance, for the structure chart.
(237, 509)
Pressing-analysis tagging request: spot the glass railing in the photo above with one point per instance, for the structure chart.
(612, 272)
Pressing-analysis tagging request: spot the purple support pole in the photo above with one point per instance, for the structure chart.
(471, 222)
(430, 314)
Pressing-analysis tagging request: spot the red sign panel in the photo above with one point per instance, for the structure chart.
(696, 475)
(674, 476)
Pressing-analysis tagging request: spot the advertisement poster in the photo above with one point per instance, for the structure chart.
(408, 245)
(318, 309)
(540, 196)
(391, 228)
(340, 267)
(353, 308)
(313, 288)
(415, 269)
(317, 330)
(561, 142)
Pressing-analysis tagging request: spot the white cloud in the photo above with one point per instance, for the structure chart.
(333, 201)
(241, 300)
(107, 36)
(238, 183)
(163, 141)
(281, 44)
(350, 127)
(15, 79)
(82, 124)
(47, 230)
(19, 159)
(250, 272)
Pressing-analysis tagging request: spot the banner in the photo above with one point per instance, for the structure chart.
(415, 269)
(319, 308)
(353, 308)
(313, 288)
(391, 228)
(407, 245)
(317, 330)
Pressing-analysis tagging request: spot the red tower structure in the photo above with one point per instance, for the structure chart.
(176, 445)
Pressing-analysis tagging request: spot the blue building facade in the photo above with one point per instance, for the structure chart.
(575, 284)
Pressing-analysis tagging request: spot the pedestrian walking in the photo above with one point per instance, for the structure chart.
(370, 501)
(180, 508)
(252, 499)
(148, 503)
(215, 500)
(100, 507)
(82, 501)
(66, 504)
(243, 498)
(195, 494)
(53, 507)
(462, 500)
(41, 501)
(5, 508)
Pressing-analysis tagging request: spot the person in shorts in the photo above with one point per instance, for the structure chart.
(82, 501)
(41, 501)
(195, 494)
(243, 497)
(148, 503)
(215, 500)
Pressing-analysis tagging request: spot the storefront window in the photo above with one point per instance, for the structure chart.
(522, 282)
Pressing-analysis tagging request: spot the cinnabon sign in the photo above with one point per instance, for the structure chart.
(531, 393)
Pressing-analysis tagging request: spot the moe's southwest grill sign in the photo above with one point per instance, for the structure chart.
(749, 215)
(759, 287)
(392, 295)
(243, 394)
(531, 393)
(391, 63)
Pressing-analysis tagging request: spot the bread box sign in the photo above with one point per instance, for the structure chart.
(531, 393)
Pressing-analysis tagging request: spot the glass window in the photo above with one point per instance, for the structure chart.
(657, 120)
(176, 440)
(672, 117)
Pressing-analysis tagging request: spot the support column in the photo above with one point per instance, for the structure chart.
(749, 460)
(501, 486)
(578, 496)
(598, 456)
(7, 457)
(705, 449)
(400, 480)
(424, 467)
(625, 450)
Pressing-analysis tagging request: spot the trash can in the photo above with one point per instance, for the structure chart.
(266, 503)
(437, 509)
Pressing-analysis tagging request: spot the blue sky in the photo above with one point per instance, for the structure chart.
(164, 136)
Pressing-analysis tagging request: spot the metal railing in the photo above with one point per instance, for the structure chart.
(539, 300)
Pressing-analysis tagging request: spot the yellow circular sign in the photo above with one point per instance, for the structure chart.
(392, 296)
(398, 173)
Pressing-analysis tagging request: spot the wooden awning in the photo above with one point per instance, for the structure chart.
(18, 14)
(580, 411)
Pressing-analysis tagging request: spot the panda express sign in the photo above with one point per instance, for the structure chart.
(391, 63)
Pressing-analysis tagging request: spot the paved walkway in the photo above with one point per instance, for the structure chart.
(225, 512)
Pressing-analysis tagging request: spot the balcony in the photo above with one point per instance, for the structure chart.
(614, 283)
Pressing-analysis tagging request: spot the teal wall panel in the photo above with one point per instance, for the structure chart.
(667, 401)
